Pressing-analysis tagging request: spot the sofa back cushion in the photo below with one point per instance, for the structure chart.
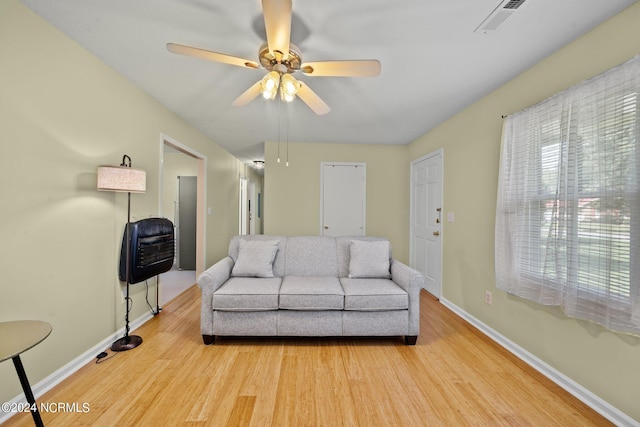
(311, 256)
(344, 253)
(308, 255)
(278, 262)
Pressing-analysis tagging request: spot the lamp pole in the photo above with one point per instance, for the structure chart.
(127, 342)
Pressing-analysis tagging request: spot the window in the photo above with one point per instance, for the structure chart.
(568, 211)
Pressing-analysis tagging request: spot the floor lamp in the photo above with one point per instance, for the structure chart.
(124, 179)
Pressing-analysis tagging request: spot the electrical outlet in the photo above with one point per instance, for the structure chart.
(488, 298)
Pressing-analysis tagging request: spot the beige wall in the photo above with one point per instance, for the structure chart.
(62, 113)
(293, 193)
(604, 362)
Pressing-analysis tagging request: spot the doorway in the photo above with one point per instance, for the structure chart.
(243, 208)
(252, 207)
(177, 159)
(426, 220)
(185, 220)
(249, 207)
(343, 199)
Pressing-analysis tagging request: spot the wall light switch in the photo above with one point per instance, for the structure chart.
(450, 216)
(209, 210)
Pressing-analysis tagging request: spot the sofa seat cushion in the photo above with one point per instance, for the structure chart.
(373, 295)
(248, 294)
(311, 293)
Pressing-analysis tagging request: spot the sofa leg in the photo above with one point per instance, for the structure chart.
(410, 339)
(208, 339)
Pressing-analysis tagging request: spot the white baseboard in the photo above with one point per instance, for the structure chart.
(598, 404)
(61, 374)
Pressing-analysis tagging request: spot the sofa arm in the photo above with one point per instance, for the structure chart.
(412, 281)
(212, 278)
(209, 281)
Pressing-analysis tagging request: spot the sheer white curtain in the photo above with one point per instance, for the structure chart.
(568, 210)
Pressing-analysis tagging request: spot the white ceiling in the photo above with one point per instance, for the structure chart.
(433, 62)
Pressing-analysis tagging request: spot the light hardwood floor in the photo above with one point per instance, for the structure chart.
(453, 376)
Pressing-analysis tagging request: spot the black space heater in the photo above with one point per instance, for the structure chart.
(151, 252)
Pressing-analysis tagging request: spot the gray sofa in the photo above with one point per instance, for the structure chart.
(310, 286)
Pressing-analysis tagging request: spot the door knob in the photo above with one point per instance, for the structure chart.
(436, 233)
(326, 227)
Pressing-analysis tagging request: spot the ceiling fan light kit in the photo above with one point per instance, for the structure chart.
(288, 87)
(276, 81)
(270, 84)
(281, 59)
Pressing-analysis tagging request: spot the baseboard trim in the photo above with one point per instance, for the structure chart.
(67, 370)
(598, 404)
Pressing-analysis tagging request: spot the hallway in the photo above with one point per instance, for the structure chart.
(174, 282)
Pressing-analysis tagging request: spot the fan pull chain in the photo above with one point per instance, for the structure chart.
(279, 126)
(287, 136)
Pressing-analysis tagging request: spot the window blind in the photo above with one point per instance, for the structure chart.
(568, 209)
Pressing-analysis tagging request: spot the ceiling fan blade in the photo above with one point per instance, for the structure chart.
(211, 56)
(355, 68)
(248, 95)
(312, 100)
(277, 22)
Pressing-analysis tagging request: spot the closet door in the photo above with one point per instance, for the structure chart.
(343, 199)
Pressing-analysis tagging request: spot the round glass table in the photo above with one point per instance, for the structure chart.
(16, 337)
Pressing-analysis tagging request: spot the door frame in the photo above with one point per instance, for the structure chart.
(243, 206)
(201, 196)
(251, 206)
(362, 165)
(438, 152)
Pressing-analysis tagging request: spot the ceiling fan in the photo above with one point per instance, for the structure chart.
(281, 59)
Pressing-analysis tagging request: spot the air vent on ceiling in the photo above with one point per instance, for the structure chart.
(505, 9)
(513, 4)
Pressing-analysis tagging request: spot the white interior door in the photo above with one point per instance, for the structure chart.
(343, 199)
(426, 220)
